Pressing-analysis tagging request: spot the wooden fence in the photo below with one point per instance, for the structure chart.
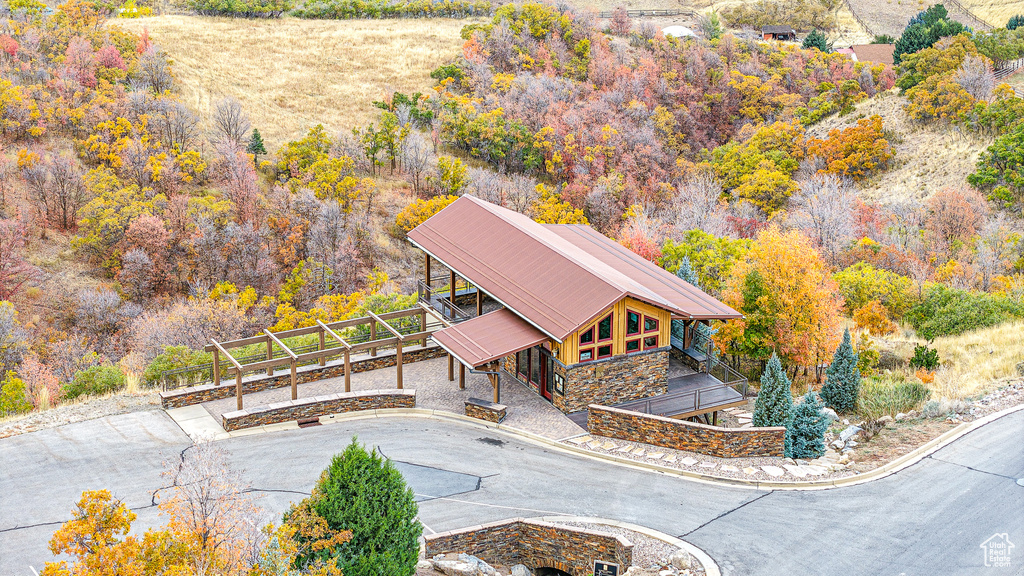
(651, 13)
(376, 324)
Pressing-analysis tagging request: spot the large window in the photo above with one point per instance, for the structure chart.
(632, 323)
(633, 345)
(650, 324)
(535, 366)
(586, 355)
(604, 351)
(604, 329)
(587, 337)
(650, 342)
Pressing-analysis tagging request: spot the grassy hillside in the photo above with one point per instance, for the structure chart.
(995, 12)
(291, 74)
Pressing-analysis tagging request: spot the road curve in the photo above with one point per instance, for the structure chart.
(928, 519)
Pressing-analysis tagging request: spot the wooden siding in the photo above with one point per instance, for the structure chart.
(568, 352)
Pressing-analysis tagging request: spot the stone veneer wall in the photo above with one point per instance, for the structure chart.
(318, 406)
(614, 380)
(283, 379)
(684, 435)
(535, 544)
(486, 410)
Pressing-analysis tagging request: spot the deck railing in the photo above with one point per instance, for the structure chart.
(440, 300)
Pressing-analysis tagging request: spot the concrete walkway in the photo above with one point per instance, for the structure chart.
(526, 409)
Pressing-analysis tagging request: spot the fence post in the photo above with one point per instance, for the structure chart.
(270, 356)
(423, 326)
(295, 384)
(398, 361)
(373, 336)
(238, 388)
(216, 367)
(348, 371)
(323, 359)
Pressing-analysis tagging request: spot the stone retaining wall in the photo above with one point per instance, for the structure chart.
(318, 406)
(684, 435)
(484, 410)
(535, 544)
(282, 379)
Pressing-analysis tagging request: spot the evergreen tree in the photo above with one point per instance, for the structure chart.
(817, 40)
(365, 494)
(774, 400)
(255, 147)
(687, 274)
(1015, 22)
(843, 384)
(806, 429)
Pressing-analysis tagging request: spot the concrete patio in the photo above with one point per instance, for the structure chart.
(526, 409)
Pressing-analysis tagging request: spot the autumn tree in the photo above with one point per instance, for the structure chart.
(823, 209)
(621, 22)
(230, 121)
(420, 210)
(954, 216)
(549, 208)
(14, 270)
(13, 338)
(789, 301)
(856, 151)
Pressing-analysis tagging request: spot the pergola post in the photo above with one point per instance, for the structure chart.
(294, 364)
(398, 361)
(324, 328)
(270, 356)
(348, 371)
(323, 359)
(238, 371)
(373, 335)
(462, 376)
(451, 293)
(479, 302)
(423, 326)
(426, 269)
(238, 389)
(216, 367)
(295, 383)
(496, 382)
(687, 333)
(451, 368)
(398, 345)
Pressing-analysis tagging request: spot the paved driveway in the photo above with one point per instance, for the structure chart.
(929, 519)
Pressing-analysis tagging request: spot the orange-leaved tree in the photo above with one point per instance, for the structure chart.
(791, 304)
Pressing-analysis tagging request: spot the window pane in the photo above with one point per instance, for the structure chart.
(534, 366)
(587, 354)
(587, 337)
(632, 322)
(604, 351)
(651, 342)
(650, 324)
(522, 362)
(632, 346)
(604, 328)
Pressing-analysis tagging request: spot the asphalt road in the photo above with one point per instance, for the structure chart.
(929, 519)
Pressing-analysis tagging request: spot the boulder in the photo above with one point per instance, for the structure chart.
(680, 559)
(424, 565)
(638, 571)
(520, 570)
(849, 433)
(884, 420)
(838, 444)
(484, 568)
(901, 416)
(456, 568)
(830, 414)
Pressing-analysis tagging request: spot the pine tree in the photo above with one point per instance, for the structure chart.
(255, 147)
(1015, 22)
(365, 494)
(774, 400)
(817, 40)
(843, 385)
(687, 274)
(806, 429)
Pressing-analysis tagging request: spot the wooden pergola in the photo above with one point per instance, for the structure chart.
(292, 359)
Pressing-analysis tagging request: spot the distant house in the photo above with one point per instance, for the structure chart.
(778, 33)
(876, 53)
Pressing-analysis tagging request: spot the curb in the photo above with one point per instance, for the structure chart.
(709, 564)
(900, 463)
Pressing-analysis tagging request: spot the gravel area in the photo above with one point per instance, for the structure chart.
(648, 551)
(80, 411)
(526, 409)
(1011, 395)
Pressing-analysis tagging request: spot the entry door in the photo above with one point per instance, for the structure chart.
(545, 374)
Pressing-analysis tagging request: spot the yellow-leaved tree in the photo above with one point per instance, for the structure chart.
(551, 209)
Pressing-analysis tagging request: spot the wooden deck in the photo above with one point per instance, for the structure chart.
(689, 395)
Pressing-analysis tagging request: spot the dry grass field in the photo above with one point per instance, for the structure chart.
(995, 12)
(292, 74)
(928, 157)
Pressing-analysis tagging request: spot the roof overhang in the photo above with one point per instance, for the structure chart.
(487, 338)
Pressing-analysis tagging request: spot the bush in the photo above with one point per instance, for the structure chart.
(774, 400)
(419, 211)
(925, 357)
(13, 399)
(243, 8)
(173, 358)
(365, 495)
(350, 9)
(102, 379)
(806, 429)
(949, 311)
(890, 395)
(843, 384)
(874, 318)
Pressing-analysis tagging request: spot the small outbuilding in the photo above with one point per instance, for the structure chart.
(875, 53)
(778, 33)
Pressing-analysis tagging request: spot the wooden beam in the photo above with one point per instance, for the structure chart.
(270, 355)
(216, 367)
(231, 358)
(286, 349)
(398, 361)
(373, 344)
(387, 326)
(423, 327)
(323, 359)
(373, 336)
(295, 381)
(238, 390)
(462, 376)
(436, 316)
(451, 292)
(348, 370)
(687, 333)
(479, 302)
(426, 269)
(451, 368)
(334, 335)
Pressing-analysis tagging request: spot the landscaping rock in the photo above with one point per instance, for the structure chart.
(901, 416)
(455, 568)
(1020, 369)
(424, 565)
(849, 433)
(680, 559)
(884, 420)
(838, 444)
(638, 571)
(830, 414)
(520, 570)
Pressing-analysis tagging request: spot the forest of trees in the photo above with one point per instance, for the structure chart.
(179, 228)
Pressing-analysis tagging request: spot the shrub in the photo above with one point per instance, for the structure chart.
(243, 8)
(949, 311)
(806, 429)
(13, 399)
(774, 400)
(855, 151)
(890, 395)
(843, 384)
(419, 211)
(173, 358)
(817, 40)
(351, 9)
(925, 357)
(365, 495)
(874, 318)
(101, 379)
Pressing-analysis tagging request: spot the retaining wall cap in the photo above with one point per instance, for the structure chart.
(685, 423)
(485, 404)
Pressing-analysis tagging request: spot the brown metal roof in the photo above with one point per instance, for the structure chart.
(489, 337)
(880, 53)
(556, 277)
(776, 29)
